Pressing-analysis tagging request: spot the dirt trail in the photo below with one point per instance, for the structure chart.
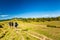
(34, 34)
(38, 36)
(22, 37)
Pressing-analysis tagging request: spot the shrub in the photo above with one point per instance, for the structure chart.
(25, 30)
(53, 26)
(1, 26)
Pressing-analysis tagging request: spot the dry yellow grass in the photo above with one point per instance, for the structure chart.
(19, 33)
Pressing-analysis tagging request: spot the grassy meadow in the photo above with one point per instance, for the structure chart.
(30, 30)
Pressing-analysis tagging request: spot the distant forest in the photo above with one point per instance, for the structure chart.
(41, 19)
(36, 19)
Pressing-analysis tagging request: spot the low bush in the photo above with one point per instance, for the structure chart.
(1, 26)
(53, 26)
(25, 30)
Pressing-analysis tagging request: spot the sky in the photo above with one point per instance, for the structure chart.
(29, 8)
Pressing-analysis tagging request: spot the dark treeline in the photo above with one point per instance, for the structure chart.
(5, 20)
(40, 19)
(36, 19)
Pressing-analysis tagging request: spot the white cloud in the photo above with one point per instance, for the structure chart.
(4, 15)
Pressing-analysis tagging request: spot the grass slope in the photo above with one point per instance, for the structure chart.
(19, 33)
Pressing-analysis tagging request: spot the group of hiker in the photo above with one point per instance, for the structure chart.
(13, 24)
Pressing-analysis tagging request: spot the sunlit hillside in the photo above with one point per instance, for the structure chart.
(30, 30)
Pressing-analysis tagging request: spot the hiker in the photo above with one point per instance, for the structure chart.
(1, 26)
(16, 24)
(10, 24)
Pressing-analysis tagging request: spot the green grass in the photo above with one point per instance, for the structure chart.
(53, 33)
(39, 27)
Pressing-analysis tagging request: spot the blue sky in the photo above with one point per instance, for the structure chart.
(29, 8)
